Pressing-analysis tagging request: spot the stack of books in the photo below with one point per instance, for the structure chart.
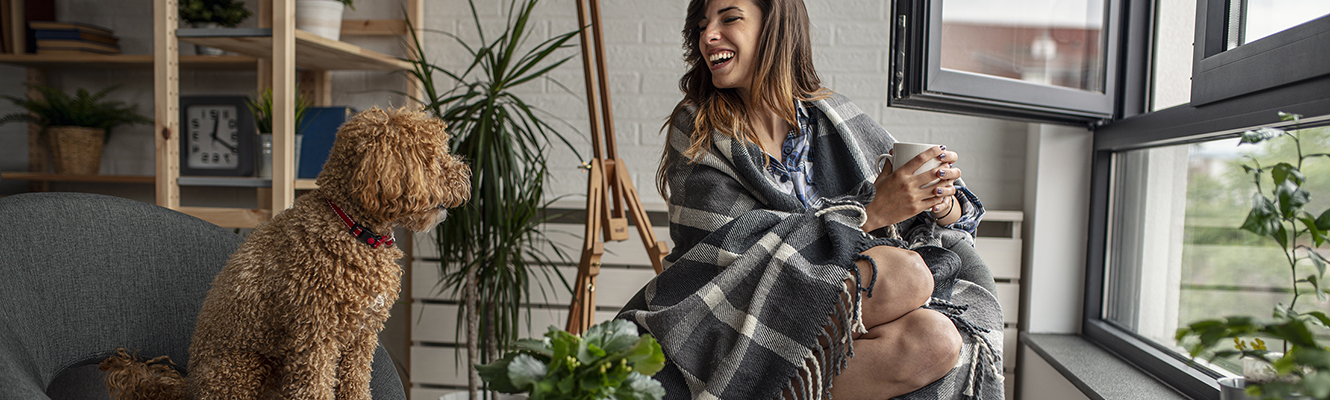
(73, 38)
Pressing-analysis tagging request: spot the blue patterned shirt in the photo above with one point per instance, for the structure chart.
(794, 173)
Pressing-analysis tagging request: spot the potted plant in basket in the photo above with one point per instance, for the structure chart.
(212, 14)
(76, 127)
(611, 361)
(1301, 367)
(262, 110)
(492, 247)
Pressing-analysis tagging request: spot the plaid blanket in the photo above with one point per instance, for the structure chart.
(755, 276)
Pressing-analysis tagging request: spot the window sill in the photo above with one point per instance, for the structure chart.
(1097, 373)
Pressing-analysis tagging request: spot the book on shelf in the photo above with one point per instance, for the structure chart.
(52, 44)
(35, 25)
(74, 34)
(6, 28)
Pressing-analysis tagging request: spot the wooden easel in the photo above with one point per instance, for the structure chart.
(609, 188)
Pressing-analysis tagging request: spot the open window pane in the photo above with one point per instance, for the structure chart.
(1231, 62)
(1252, 20)
(1046, 42)
(1034, 60)
(1177, 254)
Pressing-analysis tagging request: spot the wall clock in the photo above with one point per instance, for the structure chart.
(217, 136)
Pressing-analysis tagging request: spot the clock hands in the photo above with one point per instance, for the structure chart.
(215, 122)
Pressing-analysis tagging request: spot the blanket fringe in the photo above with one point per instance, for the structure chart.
(983, 351)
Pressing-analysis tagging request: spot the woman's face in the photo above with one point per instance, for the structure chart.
(729, 42)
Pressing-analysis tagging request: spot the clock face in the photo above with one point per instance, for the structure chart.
(212, 136)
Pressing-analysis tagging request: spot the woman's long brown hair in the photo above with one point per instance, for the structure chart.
(783, 72)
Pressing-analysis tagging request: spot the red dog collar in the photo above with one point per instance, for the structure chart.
(362, 234)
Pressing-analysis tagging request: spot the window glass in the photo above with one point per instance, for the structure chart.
(1052, 42)
(1176, 253)
(1256, 19)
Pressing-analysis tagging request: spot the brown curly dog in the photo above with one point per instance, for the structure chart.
(297, 310)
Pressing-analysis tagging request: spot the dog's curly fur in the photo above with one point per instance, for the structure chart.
(297, 310)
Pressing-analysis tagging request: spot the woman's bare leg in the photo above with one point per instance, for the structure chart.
(906, 347)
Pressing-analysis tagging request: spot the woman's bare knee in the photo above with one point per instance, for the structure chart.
(900, 357)
(939, 346)
(903, 284)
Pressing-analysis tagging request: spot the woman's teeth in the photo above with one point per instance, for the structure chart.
(720, 57)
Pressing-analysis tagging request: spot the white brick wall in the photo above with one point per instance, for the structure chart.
(644, 56)
(643, 51)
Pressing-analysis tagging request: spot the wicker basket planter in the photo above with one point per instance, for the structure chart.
(76, 150)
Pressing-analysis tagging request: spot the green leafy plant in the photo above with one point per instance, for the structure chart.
(611, 361)
(1303, 367)
(492, 247)
(262, 110)
(227, 13)
(57, 108)
(348, 4)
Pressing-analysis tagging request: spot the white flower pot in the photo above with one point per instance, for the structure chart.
(320, 17)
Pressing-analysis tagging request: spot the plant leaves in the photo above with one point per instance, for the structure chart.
(646, 356)
(612, 336)
(639, 387)
(1318, 261)
(1283, 116)
(1262, 218)
(1285, 171)
(1291, 198)
(496, 375)
(1260, 135)
(1323, 221)
(525, 370)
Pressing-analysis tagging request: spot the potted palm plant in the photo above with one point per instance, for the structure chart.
(1295, 364)
(262, 110)
(75, 126)
(490, 248)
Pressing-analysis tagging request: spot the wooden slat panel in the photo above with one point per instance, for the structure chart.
(430, 394)
(1003, 256)
(569, 239)
(437, 323)
(1009, 296)
(615, 286)
(437, 366)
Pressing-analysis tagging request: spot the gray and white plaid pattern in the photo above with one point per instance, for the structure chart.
(755, 275)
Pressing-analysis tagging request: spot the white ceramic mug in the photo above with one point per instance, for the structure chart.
(904, 152)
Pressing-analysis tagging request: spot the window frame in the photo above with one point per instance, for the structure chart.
(918, 81)
(1219, 74)
(1214, 113)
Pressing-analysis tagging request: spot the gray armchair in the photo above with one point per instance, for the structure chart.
(81, 274)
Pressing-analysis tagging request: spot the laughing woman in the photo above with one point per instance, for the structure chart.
(799, 271)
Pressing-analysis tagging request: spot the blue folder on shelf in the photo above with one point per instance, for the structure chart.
(319, 128)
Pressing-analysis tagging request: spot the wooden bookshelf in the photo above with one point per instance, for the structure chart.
(312, 51)
(40, 177)
(126, 61)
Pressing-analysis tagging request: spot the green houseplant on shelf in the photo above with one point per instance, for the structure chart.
(212, 14)
(1301, 366)
(75, 127)
(262, 110)
(492, 248)
(219, 13)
